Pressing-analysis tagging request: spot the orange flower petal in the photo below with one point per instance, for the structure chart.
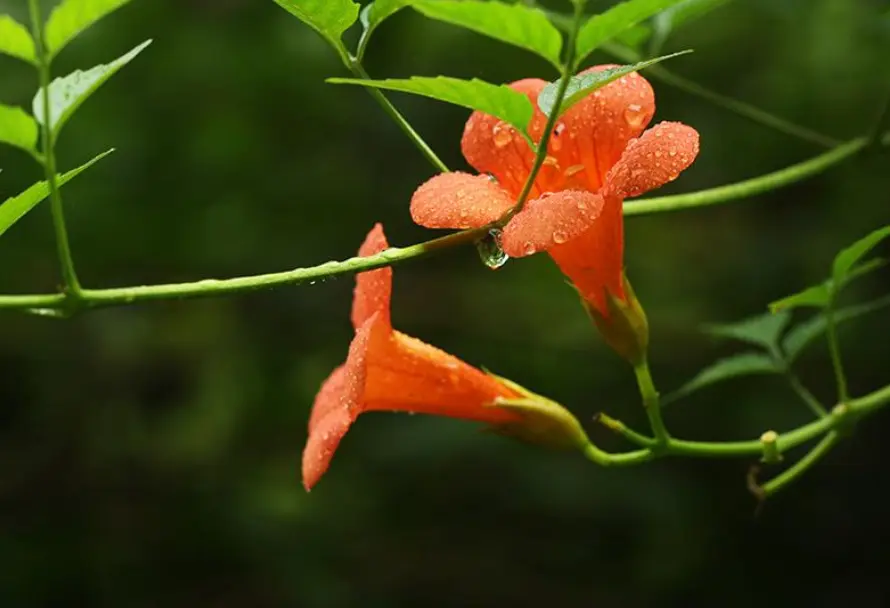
(459, 200)
(340, 400)
(593, 261)
(322, 444)
(332, 414)
(654, 159)
(405, 374)
(592, 134)
(552, 219)
(329, 396)
(493, 146)
(373, 288)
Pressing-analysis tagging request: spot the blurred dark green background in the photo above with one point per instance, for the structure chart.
(149, 456)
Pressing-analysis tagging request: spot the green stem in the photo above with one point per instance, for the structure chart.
(805, 395)
(735, 106)
(608, 459)
(625, 431)
(801, 466)
(71, 286)
(356, 68)
(749, 187)
(211, 287)
(839, 416)
(554, 113)
(835, 349)
(651, 403)
(206, 288)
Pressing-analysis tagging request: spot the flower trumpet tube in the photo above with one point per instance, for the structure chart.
(387, 370)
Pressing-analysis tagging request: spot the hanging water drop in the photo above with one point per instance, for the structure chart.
(634, 115)
(560, 237)
(490, 251)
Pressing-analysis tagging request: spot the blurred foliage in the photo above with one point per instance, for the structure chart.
(150, 455)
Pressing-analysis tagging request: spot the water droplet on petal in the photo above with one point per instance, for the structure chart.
(502, 134)
(672, 152)
(528, 248)
(556, 140)
(634, 115)
(550, 161)
(490, 251)
(582, 206)
(560, 237)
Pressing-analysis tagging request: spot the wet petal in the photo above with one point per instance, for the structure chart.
(493, 146)
(329, 397)
(594, 260)
(322, 443)
(459, 200)
(408, 375)
(590, 137)
(656, 158)
(552, 219)
(336, 407)
(373, 289)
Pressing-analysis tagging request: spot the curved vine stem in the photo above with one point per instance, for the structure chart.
(96, 298)
(840, 418)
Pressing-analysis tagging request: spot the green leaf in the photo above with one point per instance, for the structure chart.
(17, 128)
(373, 15)
(635, 36)
(670, 19)
(71, 17)
(846, 259)
(689, 10)
(13, 209)
(516, 24)
(580, 86)
(498, 100)
(605, 26)
(817, 296)
(15, 40)
(67, 93)
(763, 330)
(803, 334)
(743, 364)
(379, 11)
(330, 18)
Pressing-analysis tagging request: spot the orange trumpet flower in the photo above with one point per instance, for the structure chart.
(598, 155)
(389, 371)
